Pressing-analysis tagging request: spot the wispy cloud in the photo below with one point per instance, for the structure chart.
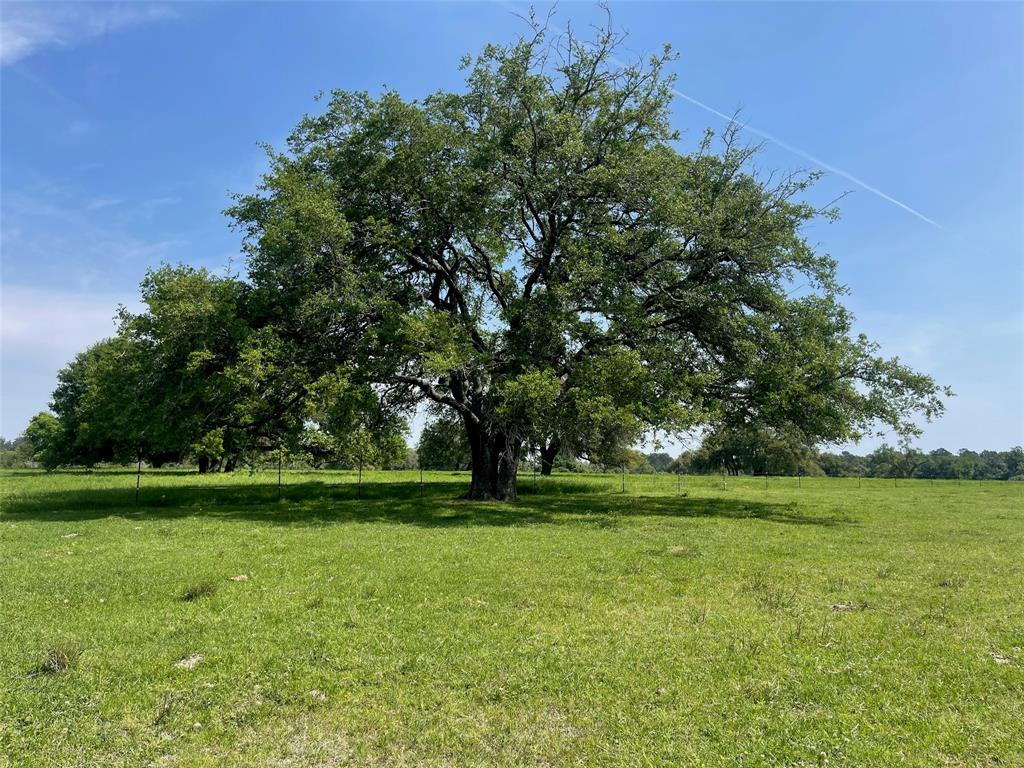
(26, 28)
(56, 235)
(40, 331)
(79, 128)
(55, 324)
(102, 202)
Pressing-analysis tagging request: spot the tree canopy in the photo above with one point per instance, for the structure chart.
(202, 372)
(534, 254)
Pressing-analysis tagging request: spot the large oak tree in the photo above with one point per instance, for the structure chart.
(534, 254)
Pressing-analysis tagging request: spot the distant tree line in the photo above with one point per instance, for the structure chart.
(887, 461)
(764, 451)
(884, 461)
(442, 445)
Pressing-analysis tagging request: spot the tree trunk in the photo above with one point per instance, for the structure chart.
(157, 460)
(495, 463)
(547, 457)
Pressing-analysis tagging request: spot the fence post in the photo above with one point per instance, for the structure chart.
(280, 461)
(421, 482)
(623, 478)
(766, 479)
(359, 483)
(138, 480)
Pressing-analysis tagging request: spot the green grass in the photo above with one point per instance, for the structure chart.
(829, 624)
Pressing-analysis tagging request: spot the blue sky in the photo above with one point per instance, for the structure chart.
(124, 128)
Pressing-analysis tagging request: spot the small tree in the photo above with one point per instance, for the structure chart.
(756, 450)
(442, 445)
(45, 438)
(208, 451)
(16, 453)
(660, 462)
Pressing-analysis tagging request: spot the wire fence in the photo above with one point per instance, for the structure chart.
(141, 487)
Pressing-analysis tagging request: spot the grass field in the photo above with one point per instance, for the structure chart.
(212, 624)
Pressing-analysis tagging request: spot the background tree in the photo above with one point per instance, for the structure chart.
(163, 386)
(939, 463)
(756, 450)
(844, 464)
(96, 402)
(966, 463)
(211, 381)
(660, 461)
(205, 373)
(16, 453)
(991, 465)
(1015, 463)
(884, 461)
(682, 464)
(46, 439)
(443, 445)
(360, 428)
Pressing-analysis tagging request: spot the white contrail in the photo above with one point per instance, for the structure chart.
(807, 156)
(514, 9)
